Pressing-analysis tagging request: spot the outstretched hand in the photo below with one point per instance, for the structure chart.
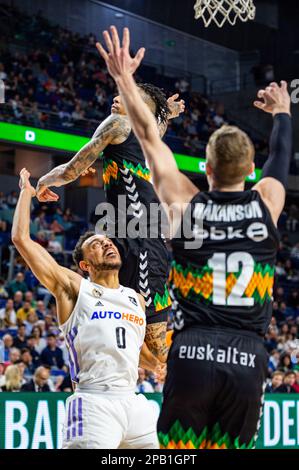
(175, 107)
(44, 194)
(274, 99)
(24, 182)
(118, 59)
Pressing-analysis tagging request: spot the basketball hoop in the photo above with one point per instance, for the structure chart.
(221, 11)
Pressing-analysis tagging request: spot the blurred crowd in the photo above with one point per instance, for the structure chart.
(54, 78)
(282, 339)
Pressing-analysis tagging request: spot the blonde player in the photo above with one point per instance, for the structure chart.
(217, 363)
(104, 326)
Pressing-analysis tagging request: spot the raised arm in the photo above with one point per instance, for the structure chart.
(171, 185)
(63, 283)
(113, 130)
(272, 187)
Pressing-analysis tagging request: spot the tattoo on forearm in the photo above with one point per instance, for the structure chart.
(155, 338)
(114, 127)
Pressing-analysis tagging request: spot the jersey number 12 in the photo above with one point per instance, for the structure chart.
(223, 264)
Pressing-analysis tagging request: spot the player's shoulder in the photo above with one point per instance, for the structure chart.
(117, 126)
(141, 300)
(134, 297)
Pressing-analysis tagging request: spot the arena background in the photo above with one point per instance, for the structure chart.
(54, 92)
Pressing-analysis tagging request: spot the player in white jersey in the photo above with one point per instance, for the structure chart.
(104, 325)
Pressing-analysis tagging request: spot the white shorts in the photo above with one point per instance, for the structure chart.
(95, 421)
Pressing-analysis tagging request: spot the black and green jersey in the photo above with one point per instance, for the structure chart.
(145, 265)
(125, 174)
(228, 280)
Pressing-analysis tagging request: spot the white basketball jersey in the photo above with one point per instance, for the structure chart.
(104, 335)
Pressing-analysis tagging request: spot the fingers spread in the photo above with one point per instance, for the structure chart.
(108, 41)
(261, 94)
(139, 56)
(126, 39)
(174, 97)
(274, 85)
(269, 90)
(102, 51)
(115, 39)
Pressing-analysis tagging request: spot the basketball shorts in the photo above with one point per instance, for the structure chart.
(214, 389)
(94, 421)
(145, 269)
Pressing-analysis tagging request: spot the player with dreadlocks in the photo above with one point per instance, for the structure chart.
(144, 259)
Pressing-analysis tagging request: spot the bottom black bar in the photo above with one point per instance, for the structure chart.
(139, 458)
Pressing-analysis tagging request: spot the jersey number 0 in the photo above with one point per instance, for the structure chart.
(120, 337)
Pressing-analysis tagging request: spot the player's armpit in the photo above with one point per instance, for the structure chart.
(273, 195)
(155, 339)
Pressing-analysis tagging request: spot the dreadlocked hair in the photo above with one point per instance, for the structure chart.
(159, 98)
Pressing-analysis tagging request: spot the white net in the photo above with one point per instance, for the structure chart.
(221, 11)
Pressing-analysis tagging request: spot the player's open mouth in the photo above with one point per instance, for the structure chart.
(109, 253)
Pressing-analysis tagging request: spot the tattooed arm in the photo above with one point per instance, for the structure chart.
(154, 348)
(155, 339)
(114, 130)
(149, 362)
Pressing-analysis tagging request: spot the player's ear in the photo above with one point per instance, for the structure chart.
(252, 168)
(83, 265)
(209, 170)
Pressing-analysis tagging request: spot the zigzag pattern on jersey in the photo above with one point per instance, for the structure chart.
(138, 170)
(189, 281)
(111, 171)
(178, 438)
(162, 301)
(132, 192)
(143, 278)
